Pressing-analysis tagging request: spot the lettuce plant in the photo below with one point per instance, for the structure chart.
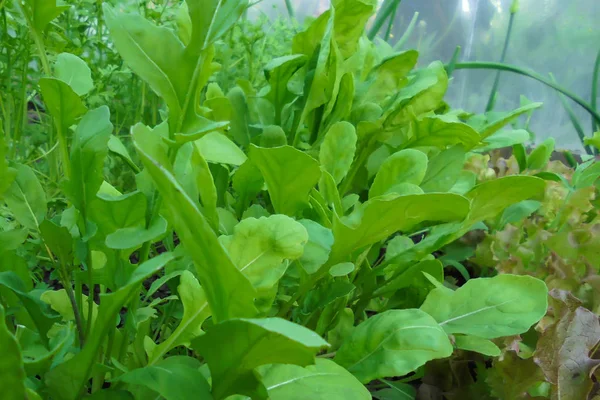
(294, 224)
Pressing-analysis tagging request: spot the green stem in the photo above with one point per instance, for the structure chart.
(594, 99)
(78, 323)
(533, 75)
(492, 98)
(390, 24)
(389, 7)
(576, 124)
(290, 9)
(63, 146)
(406, 35)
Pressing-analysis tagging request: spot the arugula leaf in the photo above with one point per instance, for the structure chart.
(482, 306)
(266, 341)
(393, 343)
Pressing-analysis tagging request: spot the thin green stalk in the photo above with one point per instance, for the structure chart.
(492, 98)
(453, 61)
(574, 120)
(388, 8)
(594, 100)
(290, 9)
(406, 35)
(533, 75)
(388, 31)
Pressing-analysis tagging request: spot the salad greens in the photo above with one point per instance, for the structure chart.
(280, 238)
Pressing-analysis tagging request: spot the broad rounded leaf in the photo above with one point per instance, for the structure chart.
(217, 148)
(325, 380)
(176, 378)
(290, 175)
(250, 344)
(490, 198)
(393, 343)
(12, 384)
(317, 249)
(404, 166)
(489, 307)
(74, 72)
(337, 150)
(477, 344)
(383, 216)
(258, 247)
(26, 198)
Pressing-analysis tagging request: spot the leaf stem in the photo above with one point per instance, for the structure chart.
(594, 99)
(533, 75)
(492, 98)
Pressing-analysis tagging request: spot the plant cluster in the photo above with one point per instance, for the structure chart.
(285, 238)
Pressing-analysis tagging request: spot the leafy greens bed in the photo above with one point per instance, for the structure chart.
(281, 238)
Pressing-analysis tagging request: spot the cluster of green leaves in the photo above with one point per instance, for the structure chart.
(557, 242)
(294, 223)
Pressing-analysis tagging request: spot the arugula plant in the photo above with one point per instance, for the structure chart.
(283, 219)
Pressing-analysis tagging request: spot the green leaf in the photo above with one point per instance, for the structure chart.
(217, 148)
(278, 72)
(8, 174)
(154, 53)
(11, 240)
(247, 182)
(383, 216)
(59, 241)
(349, 23)
(74, 72)
(272, 136)
(593, 141)
(540, 156)
(477, 344)
(259, 247)
(39, 311)
(495, 124)
(240, 120)
(67, 380)
(490, 198)
(317, 248)
(504, 138)
(337, 150)
(175, 378)
(441, 131)
(26, 198)
(62, 102)
(396, 391)
(113, 213)
(325, 380)
(413, 277)
(159, 58)
(489, 307)
(217, 273)
(135, 236)
(404, 166)
(341, 269)
(518, 211)
(393, 343)
(12, 384)
(264, 341)
(195, 312)
(290, 175)
(424, 93)
(211, 20)
(117, 147)
(42, 12)
(88, 152)
(388, 77)
(443, 170)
